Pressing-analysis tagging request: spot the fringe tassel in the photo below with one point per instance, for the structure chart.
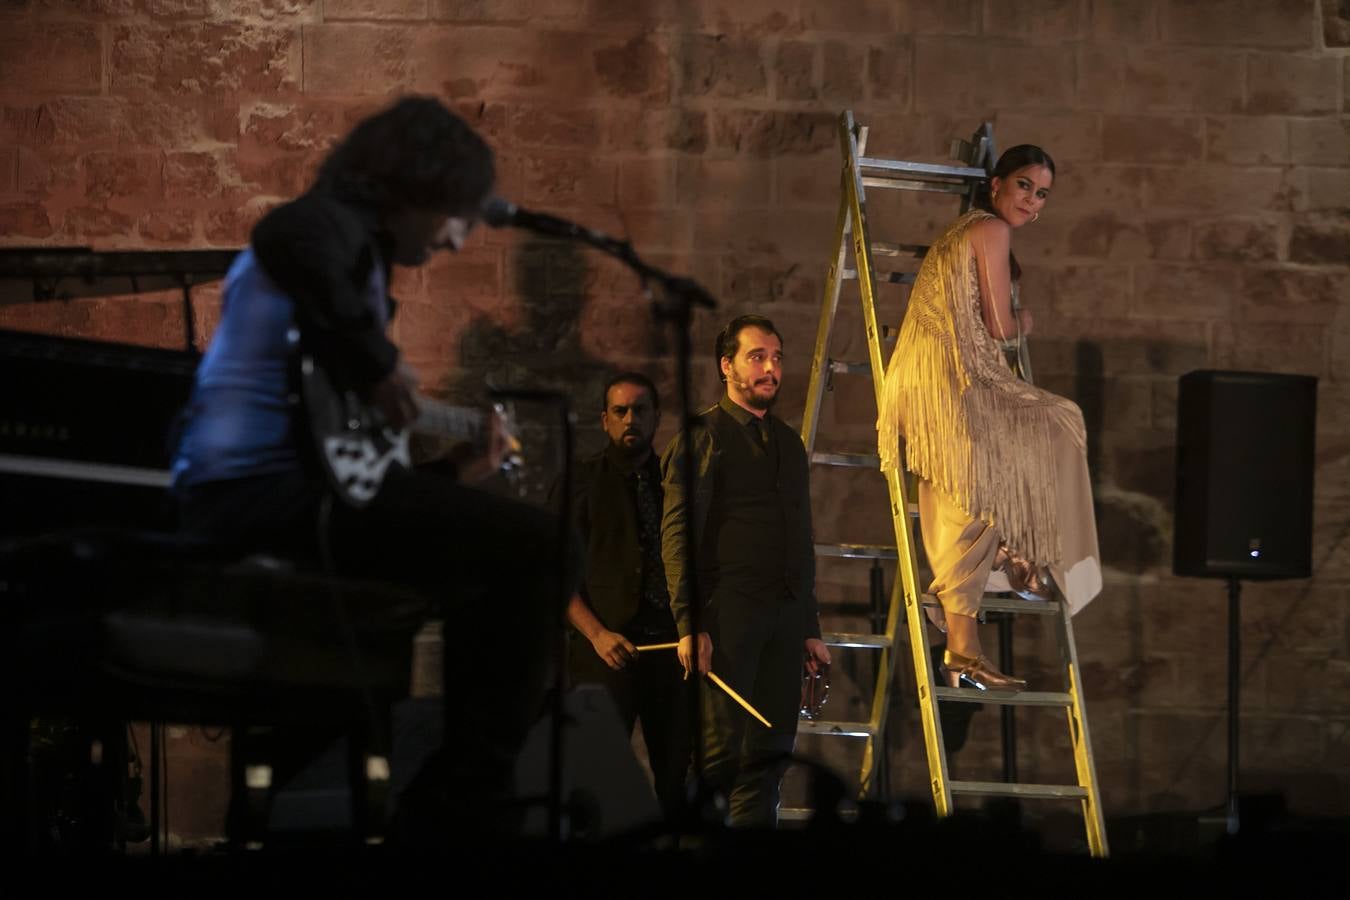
(969, 426)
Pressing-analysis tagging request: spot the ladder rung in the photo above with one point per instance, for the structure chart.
(801, 814)
(935, 170)
(991, 603)
(857, 551)
(884, 277)
(845, 639)
(857, 460)
(835, 729)
(1004, 698)
(898, 183)
(1018, 605)
(1003, 789)
(887, 248)
(843, 367)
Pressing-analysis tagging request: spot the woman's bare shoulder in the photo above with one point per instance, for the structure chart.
(990, 228)
(991, 233)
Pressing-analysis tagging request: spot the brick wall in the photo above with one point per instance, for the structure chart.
(1200, 220)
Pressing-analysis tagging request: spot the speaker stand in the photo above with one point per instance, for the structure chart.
(1234, 677)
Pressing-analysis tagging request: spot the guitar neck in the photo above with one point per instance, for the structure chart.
(443, 420)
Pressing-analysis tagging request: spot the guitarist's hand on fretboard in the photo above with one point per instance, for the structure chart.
(502, 447)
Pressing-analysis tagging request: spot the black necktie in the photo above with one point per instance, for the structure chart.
(649, 538)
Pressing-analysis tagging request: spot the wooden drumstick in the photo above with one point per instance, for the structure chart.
(738, 698)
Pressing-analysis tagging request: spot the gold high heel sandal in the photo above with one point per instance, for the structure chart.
(1026, 579)
(978, 672)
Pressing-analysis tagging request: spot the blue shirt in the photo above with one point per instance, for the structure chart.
(242, 418)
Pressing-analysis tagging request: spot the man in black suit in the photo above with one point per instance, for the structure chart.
(616, 501)
(749, 520)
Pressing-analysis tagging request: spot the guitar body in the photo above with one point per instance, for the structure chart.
(357, 451)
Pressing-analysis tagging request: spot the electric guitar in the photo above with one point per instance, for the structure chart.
(358, 450)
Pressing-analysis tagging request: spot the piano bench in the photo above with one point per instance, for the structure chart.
(108, 627)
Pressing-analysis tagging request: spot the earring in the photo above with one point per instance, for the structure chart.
(1035, 216)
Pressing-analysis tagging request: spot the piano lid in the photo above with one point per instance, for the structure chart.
(36, 274)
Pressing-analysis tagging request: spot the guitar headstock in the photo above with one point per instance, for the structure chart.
(512, 456)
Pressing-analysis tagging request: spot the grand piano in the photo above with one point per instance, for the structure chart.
(87, 428)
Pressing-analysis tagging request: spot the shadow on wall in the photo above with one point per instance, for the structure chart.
(1126, 389)
(552, 281)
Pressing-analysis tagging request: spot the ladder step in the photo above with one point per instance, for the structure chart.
(834, 729)
(884, 277)
(887, 248)
(992, 603)
(857, 460)
(1003, 789)
(845, 639)
(857, 551)
(899, 183)
(802, 814)
(1004, 698)
(932, 170)
(1018, 605)
(843, 367)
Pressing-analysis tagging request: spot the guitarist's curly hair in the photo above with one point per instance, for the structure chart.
(414, 155)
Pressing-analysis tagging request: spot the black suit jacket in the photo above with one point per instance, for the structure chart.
(606, 518)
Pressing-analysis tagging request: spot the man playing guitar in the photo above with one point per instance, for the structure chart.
(304, 315)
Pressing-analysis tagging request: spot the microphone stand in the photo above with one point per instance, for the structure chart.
(557, 704)
(679, 297)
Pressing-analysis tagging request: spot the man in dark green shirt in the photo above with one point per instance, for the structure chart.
(622, 602)
(749, 521)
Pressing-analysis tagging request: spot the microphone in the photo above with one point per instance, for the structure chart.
(498, 212)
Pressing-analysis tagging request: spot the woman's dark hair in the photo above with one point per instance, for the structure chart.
(414, 155)
(729, 338)
(1019, 157)
(1013, 158)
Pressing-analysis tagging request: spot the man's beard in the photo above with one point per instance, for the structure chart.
(639, 448)
(758, 402)
(755, 401)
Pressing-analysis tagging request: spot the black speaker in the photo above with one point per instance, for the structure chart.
(606, 789)
(1244, 475)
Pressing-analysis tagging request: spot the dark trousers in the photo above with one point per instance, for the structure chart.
(489, 561)
(651, 691)
(757, 650)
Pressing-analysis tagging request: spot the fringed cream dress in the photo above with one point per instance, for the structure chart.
(998, 459)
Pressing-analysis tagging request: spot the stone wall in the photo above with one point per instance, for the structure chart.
(1199, 220)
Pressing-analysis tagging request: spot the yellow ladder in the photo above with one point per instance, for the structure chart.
(851, 229)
